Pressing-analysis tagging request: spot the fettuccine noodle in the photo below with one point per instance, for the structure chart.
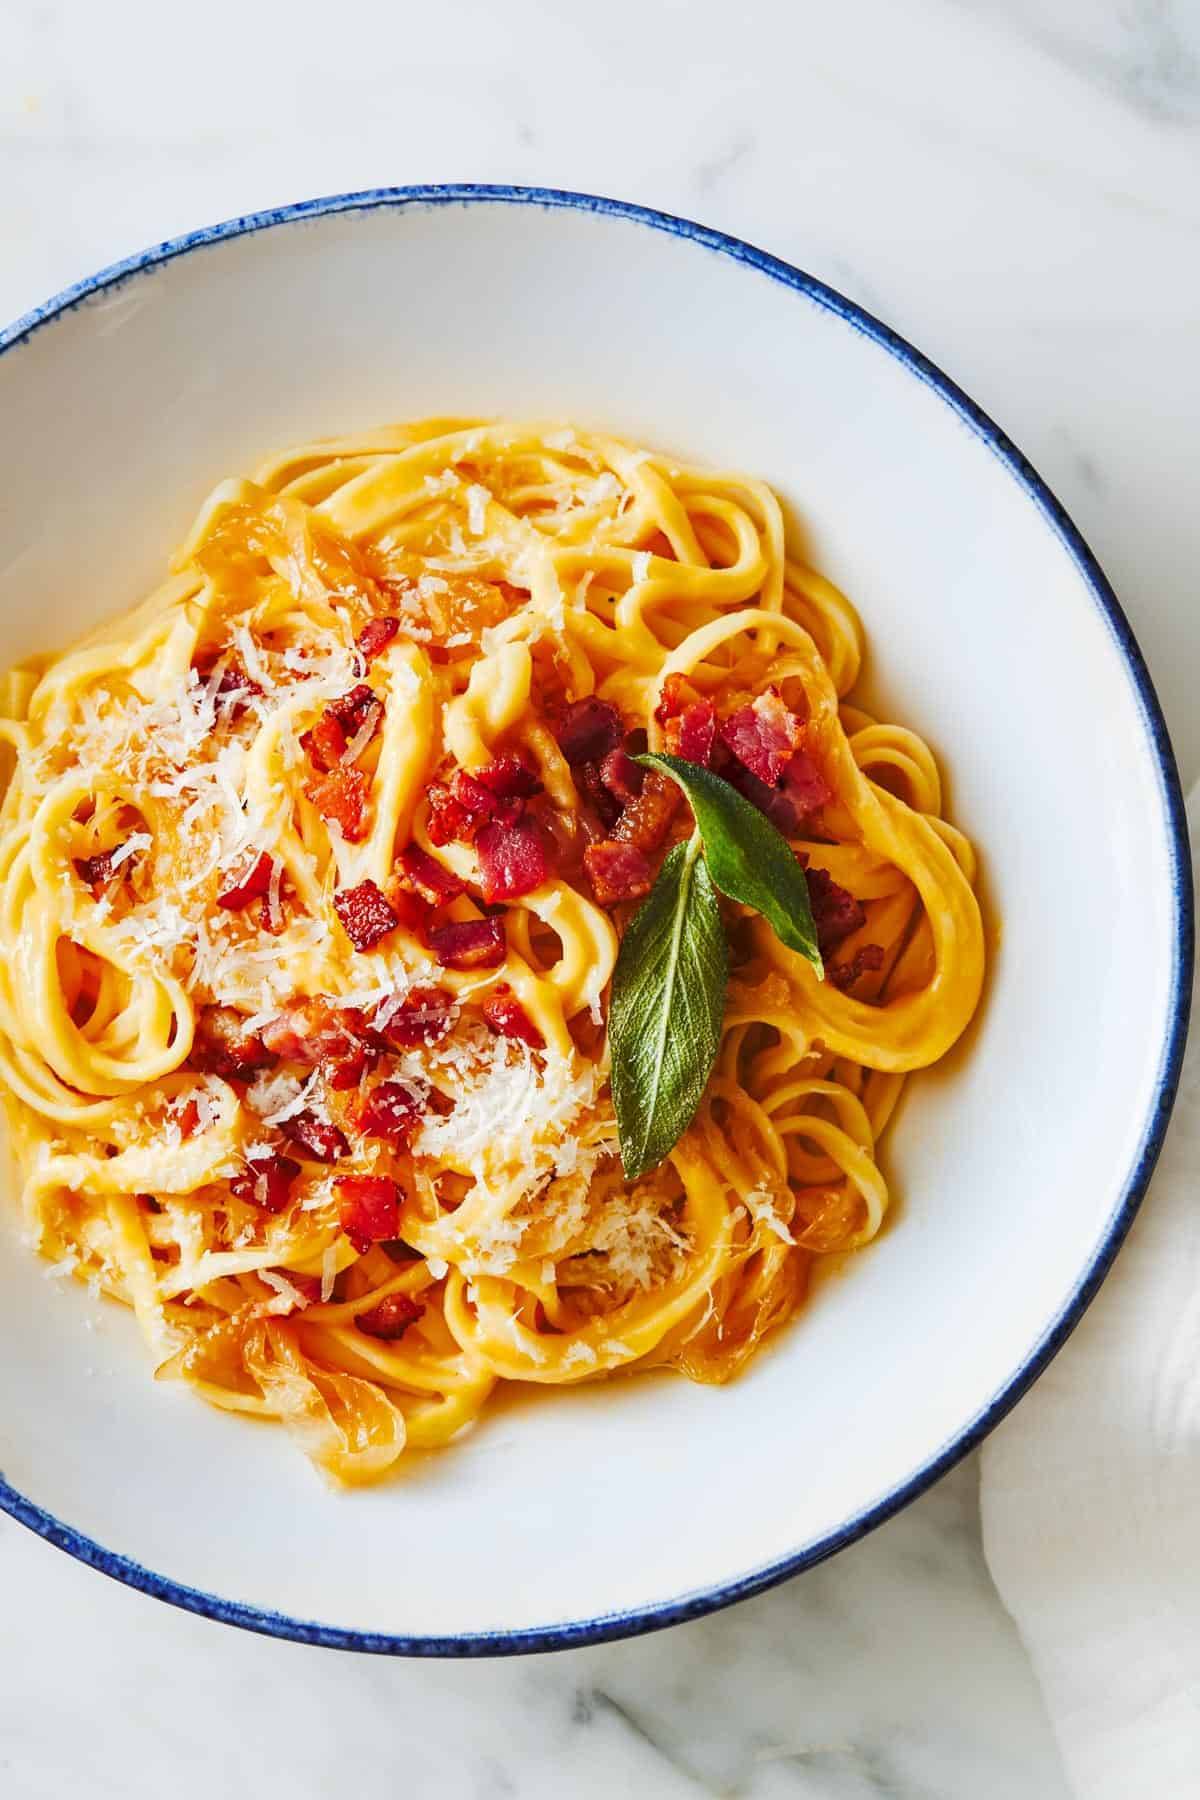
(347, 1177)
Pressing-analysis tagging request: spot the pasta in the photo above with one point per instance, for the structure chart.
(314, 869)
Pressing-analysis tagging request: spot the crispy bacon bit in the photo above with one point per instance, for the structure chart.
(391, 1318)
(622, 777)
(341, 795)
(775, 803)
(325, 744)
(422, 874)
(693, 733)
(764, 736)
(316, 1137)
(588, 730)
(390, 1111)
(365, 915)
(617, 871)
(458, 811)
(508, 778)
(355, 709)
(505, 1014)
(343, 1072)
(411, 911)
(512, 860)
(676, 696)
(222, 1045)
(590, 783)
(867, 960)
(188, 1120)
(449, 819)
(310, 1032)
(266, 1180)
(369, 1209)
(804, 784)
(469, 944)
(493, 795)
(836, 913)
(251, 884)
(97, 871)
(376, 635)
(422, 1018)
(646, 820)
(235, 687)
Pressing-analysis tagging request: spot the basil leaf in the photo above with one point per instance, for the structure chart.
(668, 1002)
(746, 856)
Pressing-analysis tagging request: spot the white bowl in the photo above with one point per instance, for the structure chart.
(595, 1512)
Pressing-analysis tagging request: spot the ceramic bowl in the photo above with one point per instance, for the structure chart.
(1017, 1165)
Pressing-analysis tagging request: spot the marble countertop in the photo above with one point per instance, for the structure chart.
(1010, 183)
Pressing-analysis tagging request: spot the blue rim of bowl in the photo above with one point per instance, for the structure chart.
(695, 1605)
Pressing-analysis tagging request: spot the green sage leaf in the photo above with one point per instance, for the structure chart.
(747, 858)
(667, 1006)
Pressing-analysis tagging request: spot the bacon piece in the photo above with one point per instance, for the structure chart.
(266, 1180)
(344, 1072)
(353, 710)
(449, 819)
(325, 744)
(251, 884)
(506, 1016)
(623, 778)
(603, 802)
(391, 1318)
(222, 1045)
(588, 730)
(235, 686)
(365, 914)
(341, 795)
(314, 1033)
(469, 944)
(836, 913)
(646, 820)
(512, 860)
(188, 1120)
(97, 871)
(764, 736)
(376, 635)
(344, 729)
(390, 1111)
(804, 784)
(422, 1018)
(867, 960)
(310, 1032)
(459, 811)
(411, 911)
(369, 1209)
(774, 803)
(422, 874)
(676, 696)
(316, 1137)
(508, 778)
(350, 708)
(693, 733)
(617, 871)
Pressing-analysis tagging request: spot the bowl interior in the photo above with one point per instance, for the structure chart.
(1009, 1163)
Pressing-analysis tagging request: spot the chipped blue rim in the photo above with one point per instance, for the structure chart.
(695, 1605)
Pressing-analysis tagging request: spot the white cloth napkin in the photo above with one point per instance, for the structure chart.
(1091, 1499)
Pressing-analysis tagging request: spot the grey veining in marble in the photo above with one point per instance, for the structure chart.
(889, 1671)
